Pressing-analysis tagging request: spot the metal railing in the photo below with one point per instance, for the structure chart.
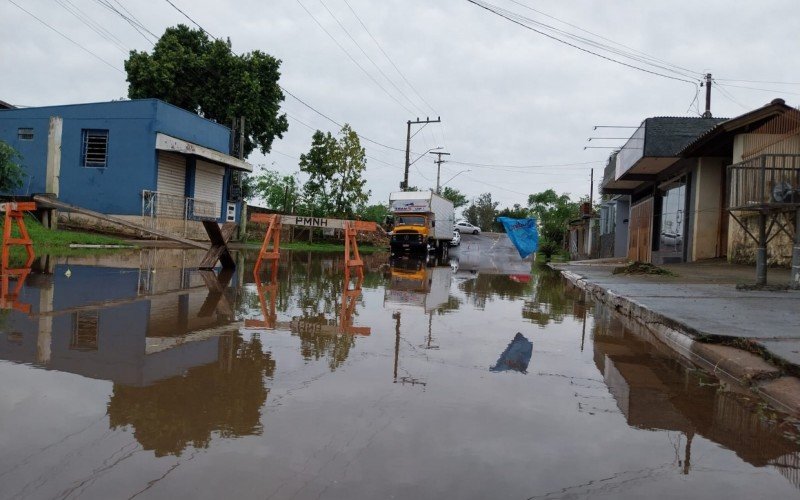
(765, 182)
(158, 206)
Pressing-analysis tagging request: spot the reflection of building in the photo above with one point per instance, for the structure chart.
(107, 323)
(655, 392)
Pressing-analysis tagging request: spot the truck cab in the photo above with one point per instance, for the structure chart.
(423, 222)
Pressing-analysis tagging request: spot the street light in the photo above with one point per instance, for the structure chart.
(451, 178)
(404, 183)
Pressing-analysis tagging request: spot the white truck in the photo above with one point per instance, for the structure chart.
(423, 221)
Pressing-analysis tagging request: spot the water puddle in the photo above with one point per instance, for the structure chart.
(136, 375)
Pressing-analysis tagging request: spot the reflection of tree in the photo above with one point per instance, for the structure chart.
(487, 286)
(551, 300)
(223, 397)
(316, 343)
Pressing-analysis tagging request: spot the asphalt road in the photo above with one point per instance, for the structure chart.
(491, 253)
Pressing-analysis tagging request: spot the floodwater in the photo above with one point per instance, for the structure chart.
(137, 376)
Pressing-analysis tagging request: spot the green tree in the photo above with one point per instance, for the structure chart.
(515, 212)
(458, 198)
(376, 213)
(279, 192)
(335, 168)
(553, 211)
(190, 71)
(482, 212)
(11, 173)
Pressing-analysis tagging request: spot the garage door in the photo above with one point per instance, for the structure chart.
(171, 184)
(208, 190)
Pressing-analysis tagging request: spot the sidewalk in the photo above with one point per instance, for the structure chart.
(701, 303)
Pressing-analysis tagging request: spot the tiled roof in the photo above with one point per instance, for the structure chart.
(666, 136)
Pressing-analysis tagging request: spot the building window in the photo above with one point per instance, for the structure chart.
(95, 148)
(85, 327)
(25, 134)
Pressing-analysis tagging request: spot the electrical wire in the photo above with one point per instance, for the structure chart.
(190, 19)
(91, 24)
(136, 25)
(353, 59)
(360, 48)
(499, 12)
(377, 44)
(774, 91)
(66, 37)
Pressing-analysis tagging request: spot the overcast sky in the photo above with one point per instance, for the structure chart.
(506, 95)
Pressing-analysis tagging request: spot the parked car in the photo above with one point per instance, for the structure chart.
(466, 227)
(456, 238)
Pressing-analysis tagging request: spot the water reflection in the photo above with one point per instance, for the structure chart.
(656, 392)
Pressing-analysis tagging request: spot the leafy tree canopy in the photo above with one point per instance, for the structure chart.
(278, 192)
(458, 198)
(188, 70)
(376, 213)
(482, 212)
(336, 184)
(553, 212)
(11, 174)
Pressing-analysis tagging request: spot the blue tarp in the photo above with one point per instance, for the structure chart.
(523, 233)
(516, 356)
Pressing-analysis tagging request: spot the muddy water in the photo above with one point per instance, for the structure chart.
(138, 376)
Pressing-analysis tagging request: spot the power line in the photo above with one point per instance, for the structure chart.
(93, 25)
(135, 24)
(190, 19)
(635, 51)
(377, 44)
(756, 81)
(493, 165)
(67, 38)
(376, 82)
(346, 32)
(497, 11)
(774, 91)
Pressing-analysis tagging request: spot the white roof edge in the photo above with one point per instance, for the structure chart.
(166, 142)
(410, 195)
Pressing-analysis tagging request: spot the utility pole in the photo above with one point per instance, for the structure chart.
(591, 189)
(438, 163)
(404, 184)
(707, 113)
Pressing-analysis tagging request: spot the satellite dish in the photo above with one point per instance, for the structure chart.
(782, 192)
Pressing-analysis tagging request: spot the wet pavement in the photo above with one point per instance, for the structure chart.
(135, 375)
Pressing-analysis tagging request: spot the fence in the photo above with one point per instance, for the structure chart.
(769, 181)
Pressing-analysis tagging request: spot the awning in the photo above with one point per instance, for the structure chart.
(166, 142)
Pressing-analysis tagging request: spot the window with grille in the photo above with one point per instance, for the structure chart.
(95, 148)
(25, 134)
(84, 331)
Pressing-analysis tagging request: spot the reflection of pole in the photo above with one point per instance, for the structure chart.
(761, 252)
(396, 317)
(688, 453)
(583, 335)
(430, 325)
(45, 336)
(794, 280)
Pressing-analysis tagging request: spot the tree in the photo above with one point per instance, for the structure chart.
(335, 167)
(279, 192)
(11, 174)
(458, 198)
(482, 212)
(553, 211)
(204, 76)
(376, 213)
(515, 212)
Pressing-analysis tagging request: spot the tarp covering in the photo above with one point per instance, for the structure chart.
(516, 356)
(523, 233)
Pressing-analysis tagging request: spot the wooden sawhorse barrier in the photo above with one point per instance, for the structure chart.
(14, 214)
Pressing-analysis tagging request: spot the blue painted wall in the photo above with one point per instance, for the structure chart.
(132, 157)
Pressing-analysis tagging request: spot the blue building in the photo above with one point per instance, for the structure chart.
(143, 160)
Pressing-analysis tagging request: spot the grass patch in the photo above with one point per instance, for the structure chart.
(56, 242)
(643, 268)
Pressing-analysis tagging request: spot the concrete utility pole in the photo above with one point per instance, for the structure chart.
(591, 189)
(438, 163)
(707, 113)
(404, 184)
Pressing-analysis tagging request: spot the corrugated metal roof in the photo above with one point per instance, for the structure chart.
(666, 136)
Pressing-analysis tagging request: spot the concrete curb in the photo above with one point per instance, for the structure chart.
(743, 367)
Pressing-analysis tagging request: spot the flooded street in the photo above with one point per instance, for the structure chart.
(135, 375)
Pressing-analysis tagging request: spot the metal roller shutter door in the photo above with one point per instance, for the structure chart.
(208, 188)
(171, 184)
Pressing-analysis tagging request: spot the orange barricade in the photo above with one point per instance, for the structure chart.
(15, 215)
